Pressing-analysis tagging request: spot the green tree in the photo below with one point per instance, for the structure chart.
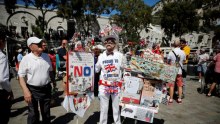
(10, 5)
(84, 13)
(133, 16)
(44, 6)
(179, 18)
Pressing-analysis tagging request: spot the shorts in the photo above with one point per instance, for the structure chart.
(217, 77)
(202, 68)
(179, 81)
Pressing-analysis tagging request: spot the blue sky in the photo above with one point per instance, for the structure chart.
(148, 2)
(151, 2)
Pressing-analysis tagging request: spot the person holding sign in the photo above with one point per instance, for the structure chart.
(110, 62)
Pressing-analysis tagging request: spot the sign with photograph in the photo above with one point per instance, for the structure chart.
(143, 100)
(138, 112)
(80, 72)
(154, 69)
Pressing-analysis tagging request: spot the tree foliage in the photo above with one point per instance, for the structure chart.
(179, 18)
(10, 5)
(133, 16)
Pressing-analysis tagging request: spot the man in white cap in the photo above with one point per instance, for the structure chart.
(110, 62)
(36, 66)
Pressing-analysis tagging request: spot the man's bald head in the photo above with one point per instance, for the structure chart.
(176, 43)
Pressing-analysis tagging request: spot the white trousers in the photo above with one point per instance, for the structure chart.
(104, 103)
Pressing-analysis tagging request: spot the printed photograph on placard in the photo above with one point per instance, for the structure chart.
(80, 72)
(144, 115)
(133, 84)
(137, 112)
(130, 98)
(128, 111)
(148, 88)
(79, 104)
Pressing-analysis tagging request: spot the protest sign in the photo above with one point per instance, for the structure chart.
(80, 79)
(154, 69)
(80, 72)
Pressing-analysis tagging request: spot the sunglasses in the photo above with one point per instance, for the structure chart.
(38, 44)
(109, 42)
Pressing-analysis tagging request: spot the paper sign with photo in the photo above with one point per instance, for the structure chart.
(79, 104)
(132, 84)
(138, 112)
(129, 98)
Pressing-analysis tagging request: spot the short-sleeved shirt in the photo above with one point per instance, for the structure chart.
(61, 52)
(4, 72)
(36, 69)
(19, 57)
(217, 64)
(186, 50)
(172, 58)
(203, 58)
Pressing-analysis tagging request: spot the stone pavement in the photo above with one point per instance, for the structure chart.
(195, 109)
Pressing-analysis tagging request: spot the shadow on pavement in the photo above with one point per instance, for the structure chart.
(93, 119)
(16, 112)
(56, 100)
(64, 119)
(19, 99)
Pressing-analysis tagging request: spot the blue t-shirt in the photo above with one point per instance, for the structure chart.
(61, 52)
(19, 57)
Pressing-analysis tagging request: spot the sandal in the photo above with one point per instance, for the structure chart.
(179, 101)
(209, 95)
(170, 101)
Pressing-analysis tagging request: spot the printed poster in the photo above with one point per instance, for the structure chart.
(138, 113)
(80, 72)
(154, 69)
(80, 104)
(131, 90)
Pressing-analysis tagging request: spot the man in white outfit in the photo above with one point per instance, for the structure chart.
(110, 62)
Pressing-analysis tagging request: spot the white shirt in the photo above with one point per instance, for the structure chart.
(4, 72)
(111, 67)
(172, 58)
(36, 69)
(203, 58)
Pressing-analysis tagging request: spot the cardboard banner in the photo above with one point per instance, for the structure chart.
(140, 98)
(80, 80)
(154, 69)
(80, 73)
(138, 113)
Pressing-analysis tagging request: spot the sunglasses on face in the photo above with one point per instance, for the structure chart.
(38, 44)
(109, 42)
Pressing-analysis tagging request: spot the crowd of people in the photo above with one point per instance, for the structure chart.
(37, 72)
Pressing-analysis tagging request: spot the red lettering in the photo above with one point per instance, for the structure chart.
(77, 71)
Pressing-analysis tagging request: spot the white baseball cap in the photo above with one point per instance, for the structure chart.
(33, 40)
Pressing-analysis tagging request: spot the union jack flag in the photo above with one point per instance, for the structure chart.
(110, 67)
(111, 90)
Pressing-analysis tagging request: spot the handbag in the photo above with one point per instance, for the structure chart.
(184, 73)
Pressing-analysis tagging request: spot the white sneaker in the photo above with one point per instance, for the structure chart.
(200, 80)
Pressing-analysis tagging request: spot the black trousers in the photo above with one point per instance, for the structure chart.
(5, 106)
(41, 96)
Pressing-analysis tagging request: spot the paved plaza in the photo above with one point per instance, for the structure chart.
(195, 109)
